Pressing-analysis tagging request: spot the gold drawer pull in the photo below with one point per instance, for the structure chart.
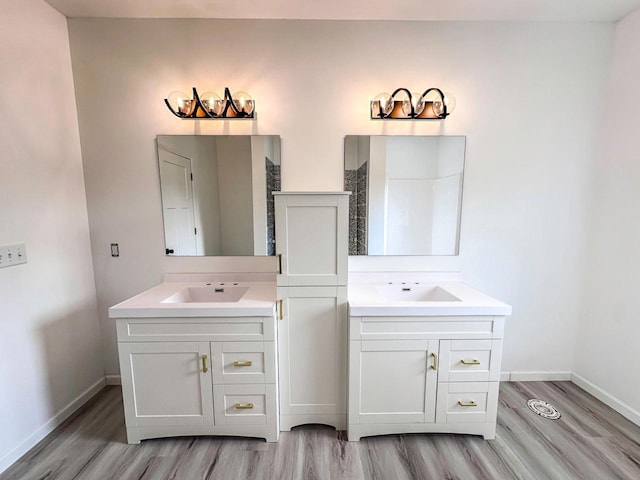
(242, 364)
(470, 362)
(280, 312)
(204, 364)
(434, 366)
(244, 406)
(471, 403)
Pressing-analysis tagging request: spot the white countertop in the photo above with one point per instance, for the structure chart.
(258, 301)
(366, 300)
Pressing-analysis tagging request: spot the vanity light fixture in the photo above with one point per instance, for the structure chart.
(433, 104)
(210, 105)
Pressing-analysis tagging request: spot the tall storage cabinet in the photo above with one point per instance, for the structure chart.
(312, 236)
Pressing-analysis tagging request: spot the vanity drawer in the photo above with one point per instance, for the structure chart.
(244, 404)
(467, 402)
(470, 360)
(191, 329)
(243, 362)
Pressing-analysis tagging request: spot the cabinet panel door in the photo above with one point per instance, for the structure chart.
(392, 381)
(312, 239)
(164, 384)
(312, 350)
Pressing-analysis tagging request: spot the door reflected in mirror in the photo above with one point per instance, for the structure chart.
(406, 194)
(217, 193)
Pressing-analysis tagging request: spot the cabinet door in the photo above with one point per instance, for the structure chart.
(392, 381)
(312, 344)
(312, 237)
(165, 384)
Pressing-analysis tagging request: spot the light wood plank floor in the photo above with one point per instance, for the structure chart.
(590, 442)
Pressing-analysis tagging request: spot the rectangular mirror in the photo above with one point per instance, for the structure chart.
(406, 194)
(216, 193)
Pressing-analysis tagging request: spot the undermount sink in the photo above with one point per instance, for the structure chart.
(209, 294)
(416, 293)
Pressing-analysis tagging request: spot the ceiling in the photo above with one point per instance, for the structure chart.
(435, 10)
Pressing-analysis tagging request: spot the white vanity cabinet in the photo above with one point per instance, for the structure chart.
(198, 376)
(311, 243)
(437, 374)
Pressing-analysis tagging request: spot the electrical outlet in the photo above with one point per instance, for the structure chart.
(11, 255)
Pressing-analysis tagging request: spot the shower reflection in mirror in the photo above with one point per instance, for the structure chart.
(406, 194)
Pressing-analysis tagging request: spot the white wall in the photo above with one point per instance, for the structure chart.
(49, 334)
(609, 329)
(528, 101)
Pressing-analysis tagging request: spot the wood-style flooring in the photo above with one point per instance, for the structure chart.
(590, 442)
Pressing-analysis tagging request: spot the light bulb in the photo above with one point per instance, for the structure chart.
(181, 103)
(212, 103)
(381, 104)
(243, 102)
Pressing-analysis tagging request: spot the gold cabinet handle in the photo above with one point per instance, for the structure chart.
(204, 364)
(470, 403)
(280, 263)
(280, 309)
(244, 406)
(434, 365)
(470, 362)
(242, 364)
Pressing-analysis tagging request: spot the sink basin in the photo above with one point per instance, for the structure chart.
(207, 295)
(416, 293)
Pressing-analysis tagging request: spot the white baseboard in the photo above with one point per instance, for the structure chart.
(619, 406)
(113, 380)
(536, 376)
(28, 443)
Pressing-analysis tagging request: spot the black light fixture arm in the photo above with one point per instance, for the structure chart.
(442, 98)
(230, 103)
(405, 90)
(199, 104)
(166, 101)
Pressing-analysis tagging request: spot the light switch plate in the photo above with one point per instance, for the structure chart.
(11, 255)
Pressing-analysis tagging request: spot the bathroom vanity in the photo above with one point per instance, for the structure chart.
(256, 354)
(198, 357)
(423, 357)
